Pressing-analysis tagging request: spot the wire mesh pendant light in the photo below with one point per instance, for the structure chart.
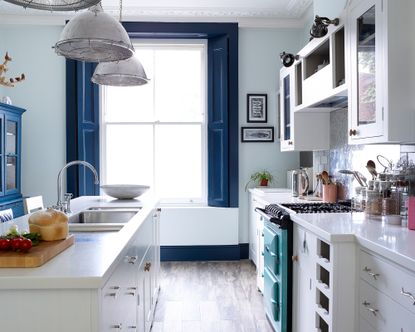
(128, 72)
(55, 5)
(94, 36)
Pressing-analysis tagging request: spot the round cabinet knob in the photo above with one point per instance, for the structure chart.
(294, 258)
(352, 132)
(290, 142)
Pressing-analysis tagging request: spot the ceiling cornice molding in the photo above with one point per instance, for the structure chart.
(243, 22)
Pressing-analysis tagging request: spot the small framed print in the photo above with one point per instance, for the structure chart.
(257, 134)
(256, 108)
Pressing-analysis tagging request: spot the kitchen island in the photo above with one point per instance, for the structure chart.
(104, 282)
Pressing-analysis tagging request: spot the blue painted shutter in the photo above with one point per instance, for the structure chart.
(82, 126)
(218, 149)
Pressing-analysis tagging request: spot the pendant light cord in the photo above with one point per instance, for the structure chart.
(120, 11)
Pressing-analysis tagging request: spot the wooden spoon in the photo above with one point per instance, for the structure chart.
(325, 177)
(371, 167)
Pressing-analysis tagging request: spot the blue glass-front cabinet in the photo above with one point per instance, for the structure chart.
(10, 158)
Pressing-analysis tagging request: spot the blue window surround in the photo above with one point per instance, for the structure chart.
(83, 131)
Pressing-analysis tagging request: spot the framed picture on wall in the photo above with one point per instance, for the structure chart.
(257, 134)
(256, 108)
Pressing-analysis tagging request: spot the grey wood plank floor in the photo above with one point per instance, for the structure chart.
(209, 297)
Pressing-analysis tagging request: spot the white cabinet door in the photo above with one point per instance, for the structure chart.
(303, 280)
(253, 236)
(366, 103)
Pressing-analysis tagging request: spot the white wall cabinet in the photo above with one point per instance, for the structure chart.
(305, 131)
(382, 72)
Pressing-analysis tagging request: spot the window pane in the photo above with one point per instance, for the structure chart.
(178, 161)
(132, 103)
(129, 154)
(178, 84)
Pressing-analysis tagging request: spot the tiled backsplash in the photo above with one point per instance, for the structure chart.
(353, 157)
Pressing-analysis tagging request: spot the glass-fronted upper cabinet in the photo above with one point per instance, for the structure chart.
(11, 127)
(10, 158)
(366, 57)
(286, 108)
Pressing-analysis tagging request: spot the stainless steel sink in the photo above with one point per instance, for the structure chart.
(101, 219)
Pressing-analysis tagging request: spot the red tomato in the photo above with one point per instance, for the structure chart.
(4, 244)
(25, 245)
(15, 243)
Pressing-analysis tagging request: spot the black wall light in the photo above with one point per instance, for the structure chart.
(319, 28)
(288, 59)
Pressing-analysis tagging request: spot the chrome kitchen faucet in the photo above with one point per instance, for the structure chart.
(63, 203)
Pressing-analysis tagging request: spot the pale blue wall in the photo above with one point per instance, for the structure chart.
(259, 65)
(43, 95)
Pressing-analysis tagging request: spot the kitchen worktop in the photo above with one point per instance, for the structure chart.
(89, 262)
(394, 242)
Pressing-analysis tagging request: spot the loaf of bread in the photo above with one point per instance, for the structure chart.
(52, 225)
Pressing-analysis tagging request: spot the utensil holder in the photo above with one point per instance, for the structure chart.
(330, 193)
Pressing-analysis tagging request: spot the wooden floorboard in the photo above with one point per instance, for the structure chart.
(209, 297)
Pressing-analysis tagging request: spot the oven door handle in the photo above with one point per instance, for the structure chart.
(262, 213)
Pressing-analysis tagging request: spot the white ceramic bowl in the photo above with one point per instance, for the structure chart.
(124, 191)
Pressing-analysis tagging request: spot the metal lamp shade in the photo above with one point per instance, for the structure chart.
(128, 72)
(55, 5)
(94, 36)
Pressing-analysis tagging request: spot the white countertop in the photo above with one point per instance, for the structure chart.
(89, 261)
(396, 243)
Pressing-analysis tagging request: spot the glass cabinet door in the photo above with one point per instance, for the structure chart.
(2, 155)
(11, 155)
(367, 117)
(286, 116)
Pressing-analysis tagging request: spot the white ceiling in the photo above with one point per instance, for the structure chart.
(195, 9)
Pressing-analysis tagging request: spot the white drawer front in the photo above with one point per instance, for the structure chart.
(382, 313)
(389, 279)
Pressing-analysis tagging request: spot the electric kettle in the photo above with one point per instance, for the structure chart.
(300, 183)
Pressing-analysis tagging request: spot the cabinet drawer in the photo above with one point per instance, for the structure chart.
(381, 312)
(389, 279)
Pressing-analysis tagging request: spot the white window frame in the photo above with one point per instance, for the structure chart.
(159, 44)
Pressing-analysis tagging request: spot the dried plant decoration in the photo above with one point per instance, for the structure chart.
(3, 69)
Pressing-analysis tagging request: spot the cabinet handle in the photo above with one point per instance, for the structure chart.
(114, 295)
(131, 259)
(147, 267)
(132, 327)
(130, 293)
(115, 287)
(373, 311)
(407, 294)
(369, 272)
(290, 142)
(294, 258)
(117, 326)
(352, 132)
(262, 234)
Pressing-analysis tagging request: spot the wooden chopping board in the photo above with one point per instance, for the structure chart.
(37, 255)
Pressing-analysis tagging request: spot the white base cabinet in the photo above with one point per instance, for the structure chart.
(256, 239)
(125, 303)
(386, 295)
(323, 296)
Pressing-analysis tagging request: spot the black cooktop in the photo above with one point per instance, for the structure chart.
(318, 207)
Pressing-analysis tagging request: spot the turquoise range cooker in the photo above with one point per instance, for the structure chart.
(278, 250)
